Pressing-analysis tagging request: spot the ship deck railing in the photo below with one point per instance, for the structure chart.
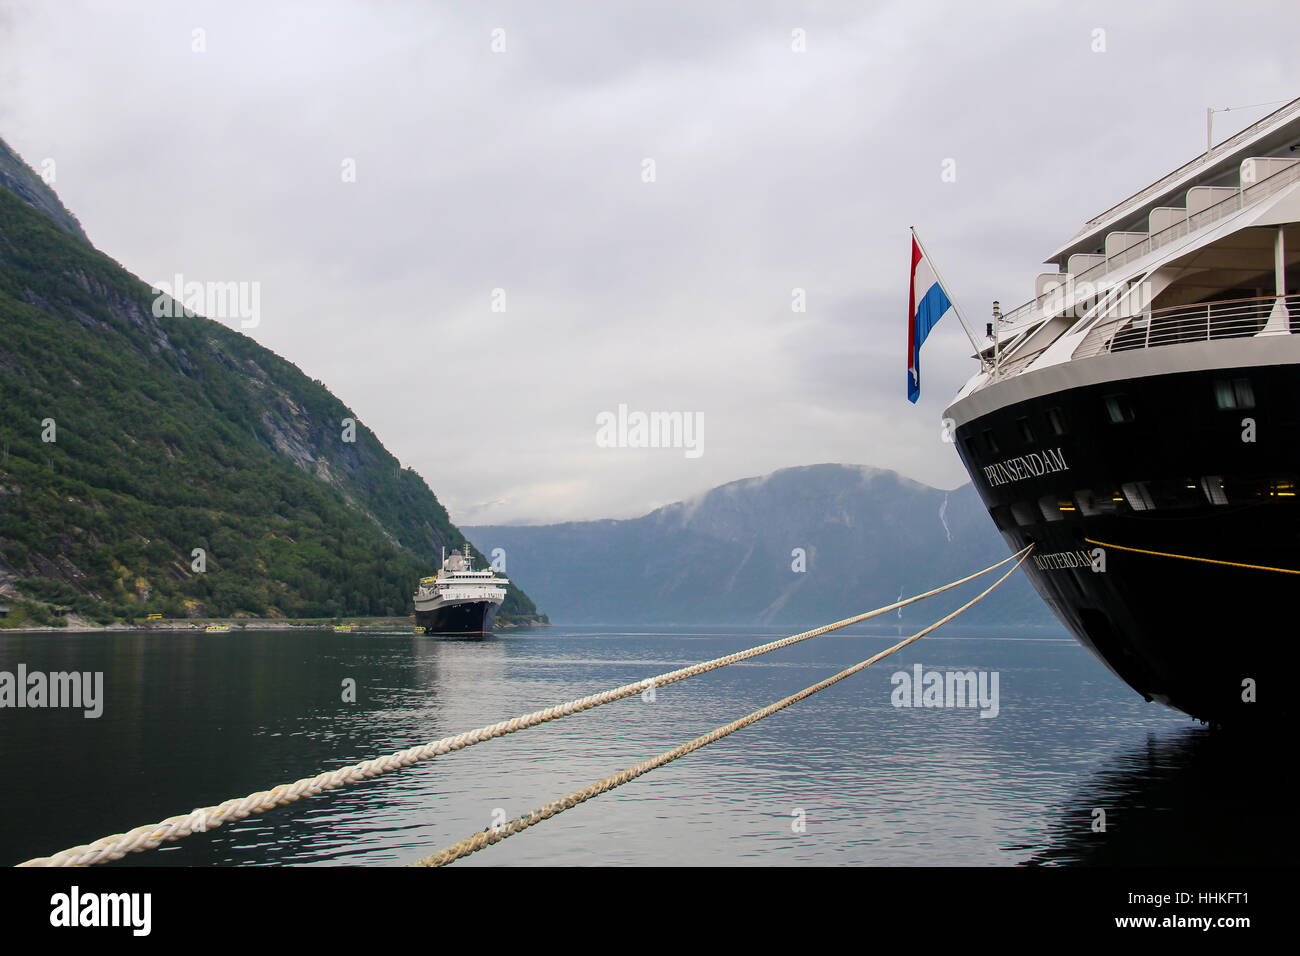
(1203, 322)
(1016, 364)
(1245, 196)
(1272, 121)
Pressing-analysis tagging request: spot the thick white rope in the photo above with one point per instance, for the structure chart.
(174, 828)
(493, 835)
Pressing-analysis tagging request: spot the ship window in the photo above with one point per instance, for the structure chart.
(1176, 493)
(1052, 507)
(1281, 488)
(1056, 418)
(1238, 488)
(969, 442)
(1024, 513)
(1119, 410)
(1103, 501)
(1234, 394)
(991, 442)
(1164, 494)
(1215, 493)
(1002, 518)
(1137, 495)
(1026, 431)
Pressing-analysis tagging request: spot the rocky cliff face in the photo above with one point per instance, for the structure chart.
(21, 180)
(131, 441)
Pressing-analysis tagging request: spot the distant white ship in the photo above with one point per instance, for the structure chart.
(458, 599)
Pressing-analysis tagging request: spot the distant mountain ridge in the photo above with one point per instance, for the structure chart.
(729, 555)
(131, 442)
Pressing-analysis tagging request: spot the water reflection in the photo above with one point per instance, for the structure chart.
(1195, 797)
(193, 719)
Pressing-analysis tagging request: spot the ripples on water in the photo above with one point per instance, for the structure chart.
(193, 719)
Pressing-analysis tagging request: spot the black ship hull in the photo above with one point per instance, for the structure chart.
(463, 618)
(1121, 486)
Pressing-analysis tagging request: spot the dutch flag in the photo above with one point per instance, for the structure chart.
(926, 307)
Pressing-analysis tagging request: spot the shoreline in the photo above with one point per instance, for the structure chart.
(354, 625)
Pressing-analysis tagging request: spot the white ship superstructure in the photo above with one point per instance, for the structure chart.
(1168, 265)
(458, 599)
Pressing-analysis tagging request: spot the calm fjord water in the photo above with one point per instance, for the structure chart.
(191, 719)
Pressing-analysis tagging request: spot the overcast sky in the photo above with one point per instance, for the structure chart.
(523, 169)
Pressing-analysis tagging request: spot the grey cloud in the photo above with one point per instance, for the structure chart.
(522, 171)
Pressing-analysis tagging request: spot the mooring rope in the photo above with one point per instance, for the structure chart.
(1188, 557)
(478, 841)
(149, 837)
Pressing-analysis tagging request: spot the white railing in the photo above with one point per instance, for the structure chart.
(1240, 200)
(1208, 321)
(1244, 197)
(1024, 310)
(1016, 364)
(1271, 121)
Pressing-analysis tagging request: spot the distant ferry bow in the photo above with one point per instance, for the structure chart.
(458, 599)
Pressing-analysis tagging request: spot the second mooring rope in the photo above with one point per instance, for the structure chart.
(174, 828)
(478, 841)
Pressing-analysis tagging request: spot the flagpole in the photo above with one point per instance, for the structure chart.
(960, 318)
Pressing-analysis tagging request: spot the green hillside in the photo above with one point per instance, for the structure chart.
(173, 434)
